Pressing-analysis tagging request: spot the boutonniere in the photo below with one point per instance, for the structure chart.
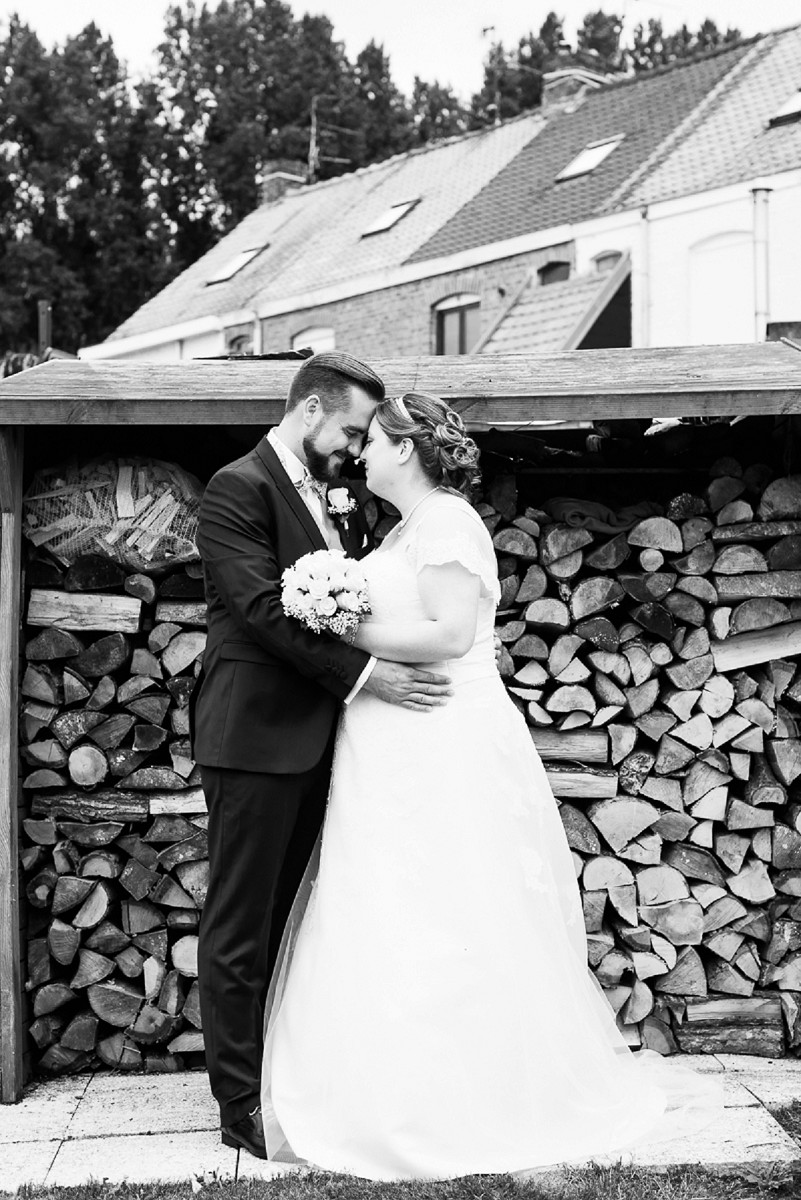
(341, 504)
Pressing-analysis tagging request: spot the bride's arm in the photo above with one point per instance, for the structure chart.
(450, 601)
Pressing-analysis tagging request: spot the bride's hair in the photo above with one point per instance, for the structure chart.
(447, 454)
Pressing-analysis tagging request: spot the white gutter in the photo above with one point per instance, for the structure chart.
(119, 347)
(761, 193)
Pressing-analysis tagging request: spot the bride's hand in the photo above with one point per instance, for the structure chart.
(411, 687)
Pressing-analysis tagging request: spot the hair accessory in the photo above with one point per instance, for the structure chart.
(404, 410)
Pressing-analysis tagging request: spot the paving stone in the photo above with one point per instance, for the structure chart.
(44, 1112)
(740, 1135)
(773, 1089)
(25, 1163)
(755, 1064)
(139, 1104)
(170, 1157)
(698, 1062)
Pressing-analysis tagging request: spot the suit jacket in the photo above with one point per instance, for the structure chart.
(270, 690)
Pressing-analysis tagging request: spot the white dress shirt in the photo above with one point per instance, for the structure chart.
(298, 472)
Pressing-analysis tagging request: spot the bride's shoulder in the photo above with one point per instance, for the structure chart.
(451, 514)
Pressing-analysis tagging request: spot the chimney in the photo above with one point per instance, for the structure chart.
(566, 88)
(279, 177)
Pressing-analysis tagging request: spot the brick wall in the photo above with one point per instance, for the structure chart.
(398, 321)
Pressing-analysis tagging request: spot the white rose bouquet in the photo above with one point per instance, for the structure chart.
(326, 592)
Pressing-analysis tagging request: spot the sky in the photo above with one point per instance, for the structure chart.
(435, 39)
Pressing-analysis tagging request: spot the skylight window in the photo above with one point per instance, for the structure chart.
(791, 111)
(230, 268)
(589, 158)
(390, 217)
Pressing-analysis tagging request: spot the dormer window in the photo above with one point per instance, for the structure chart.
(607, 260)
(789, 112)
(590, 158)
(390, 217)
(235, 264)
(554, 272)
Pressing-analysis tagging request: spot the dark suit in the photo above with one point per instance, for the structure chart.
(263, 721)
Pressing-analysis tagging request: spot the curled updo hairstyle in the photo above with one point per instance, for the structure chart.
(447, 454)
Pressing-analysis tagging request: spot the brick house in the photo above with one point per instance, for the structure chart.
(655, 210)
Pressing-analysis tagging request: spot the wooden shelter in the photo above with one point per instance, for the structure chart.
(513, 391)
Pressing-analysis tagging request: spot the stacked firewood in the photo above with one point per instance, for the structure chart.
(115, 851)
(657, 668)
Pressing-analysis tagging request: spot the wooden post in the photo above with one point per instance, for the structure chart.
(10, 942)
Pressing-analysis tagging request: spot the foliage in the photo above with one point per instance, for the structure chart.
(108, 189)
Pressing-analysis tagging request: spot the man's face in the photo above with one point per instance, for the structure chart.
(331, 437)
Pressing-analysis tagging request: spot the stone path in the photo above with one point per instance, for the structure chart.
(143, 1128)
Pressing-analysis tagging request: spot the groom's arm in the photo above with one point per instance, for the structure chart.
(236, 540)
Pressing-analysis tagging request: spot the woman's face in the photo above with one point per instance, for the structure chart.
(381, 458)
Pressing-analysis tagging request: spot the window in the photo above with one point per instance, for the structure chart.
(390, 217)
(591, 157)
(791, 111)
(607, 260)
(230, 268)
(316, 338)
(457, 323)
(554, 272)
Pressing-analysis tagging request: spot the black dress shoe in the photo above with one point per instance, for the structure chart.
(247, 1134)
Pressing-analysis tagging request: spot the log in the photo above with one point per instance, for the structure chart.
(152, 708)
(75, 689)
(722, 491)
(530, 645)
(681, 922)
(604, 872)
(594, 595)
(699, 587)
(95, 907)
(739, 560)
(763, 787)
(182, 651)
(698, 562)
(600, 632)
(761, 613)
(686, 609)
(723, 977)
(84, 611)
(104, 656)
(634, 770)
(101, 864)
(583, 783)
(51, 996)
(622, 739)
(184, 955)
(87, 766)
(516, 542)
(740, 815)
(687, 977)
(752, 884)
(81, 1033)
(620, 819)
(92, 967)
(69, 892)
(52, 643)
(785, 555)
(119, 1052)
(39, 683)
(657, 533)
(671, 756)
(107, 938)
(781, 499)
(717, 696)
(757, 531)
(115, 1003)
(660, 885)
(130, 962)
(63, 941)
(736, 512)
(548, 614)
(610, 555)
(641, 699)
(693, 673)
(655, 618)
(695, 863)
(784, 757)
(773, 583)
(534, 585)
(181, 612)
(570, 698)
(559, 541)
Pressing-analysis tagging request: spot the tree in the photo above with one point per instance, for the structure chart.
(436, 111)
(385, 119)
(512, 82)
(598, 42)
(654, 48)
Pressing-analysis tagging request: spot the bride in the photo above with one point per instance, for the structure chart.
(432, 1014)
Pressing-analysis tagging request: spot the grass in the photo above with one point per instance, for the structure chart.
(598, 1183)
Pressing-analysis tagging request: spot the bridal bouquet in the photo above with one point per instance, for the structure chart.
(326, 592)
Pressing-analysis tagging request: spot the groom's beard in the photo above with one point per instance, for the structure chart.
(325, 467)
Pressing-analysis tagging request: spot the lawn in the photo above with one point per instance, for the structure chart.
(607, 1183)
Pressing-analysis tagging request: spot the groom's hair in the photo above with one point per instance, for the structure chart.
(332, 374)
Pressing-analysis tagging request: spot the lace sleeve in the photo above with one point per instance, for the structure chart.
(456, 534)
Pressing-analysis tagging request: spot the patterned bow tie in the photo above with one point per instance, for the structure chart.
(308, 481)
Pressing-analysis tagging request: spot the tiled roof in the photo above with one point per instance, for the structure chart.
(547, 319)
(524, 197)
(734, 141)
(314, 235)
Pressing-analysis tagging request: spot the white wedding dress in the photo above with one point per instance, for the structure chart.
(432, 1014)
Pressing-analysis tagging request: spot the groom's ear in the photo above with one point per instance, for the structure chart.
(311, 407)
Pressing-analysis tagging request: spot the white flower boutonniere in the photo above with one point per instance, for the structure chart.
(340, 504)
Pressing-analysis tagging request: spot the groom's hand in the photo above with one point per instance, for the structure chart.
(408, 686)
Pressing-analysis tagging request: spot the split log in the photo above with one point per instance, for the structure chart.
(115, 1003)
(658, 533)
(84, 611)
(620, 819)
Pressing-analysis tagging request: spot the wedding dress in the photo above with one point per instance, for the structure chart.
(432, 1014)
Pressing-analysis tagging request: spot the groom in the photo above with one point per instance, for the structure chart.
(266, 707)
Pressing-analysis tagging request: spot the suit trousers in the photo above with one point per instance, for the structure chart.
(262, 829)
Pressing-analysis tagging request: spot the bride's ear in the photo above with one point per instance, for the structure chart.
(406, 447)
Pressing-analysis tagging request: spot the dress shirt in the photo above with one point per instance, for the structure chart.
(298, 472)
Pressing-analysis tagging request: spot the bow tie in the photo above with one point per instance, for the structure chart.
(315, 485)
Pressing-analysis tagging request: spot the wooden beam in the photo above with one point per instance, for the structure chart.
(10, 943)
(488, 389)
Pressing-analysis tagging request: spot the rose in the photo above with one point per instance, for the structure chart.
(349, 601)
(340, 502)
(318, 588)
(327, 606)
